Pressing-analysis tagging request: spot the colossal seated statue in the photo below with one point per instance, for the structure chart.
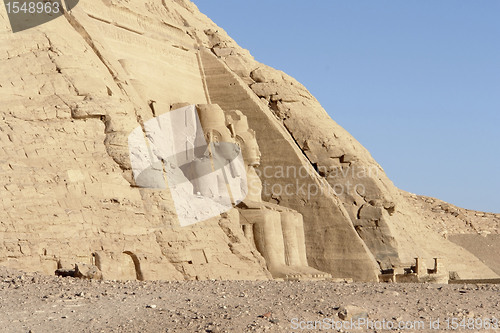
(223, 154)
(276, 231)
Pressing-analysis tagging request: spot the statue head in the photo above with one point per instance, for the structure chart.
(216, 132)
(245, 138)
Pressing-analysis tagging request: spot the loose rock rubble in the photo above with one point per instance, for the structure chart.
(447, 219)
(31, 302)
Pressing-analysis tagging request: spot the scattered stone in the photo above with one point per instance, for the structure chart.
(352, 312)
(454, 275)
(85, 271)
(266, 315)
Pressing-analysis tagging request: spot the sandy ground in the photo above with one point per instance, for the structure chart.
(31, 302)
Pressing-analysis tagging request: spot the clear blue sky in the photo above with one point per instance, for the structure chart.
(416, 82)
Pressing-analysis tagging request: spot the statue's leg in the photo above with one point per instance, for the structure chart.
(301, 239)
(268, 238)
(295, 246)
(290, 238)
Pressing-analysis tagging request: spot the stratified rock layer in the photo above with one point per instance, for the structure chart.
(73, 89)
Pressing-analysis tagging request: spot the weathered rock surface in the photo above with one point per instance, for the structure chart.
(84, 271)
(477, 232)
(73, 89)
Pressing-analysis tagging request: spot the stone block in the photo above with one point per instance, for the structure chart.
(370, 212)
(85, 271)
(351, 312)
(265, 74)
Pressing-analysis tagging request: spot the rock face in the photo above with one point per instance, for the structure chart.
(65, 170)
(72, 91)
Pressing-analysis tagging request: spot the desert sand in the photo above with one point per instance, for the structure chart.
(32, 302)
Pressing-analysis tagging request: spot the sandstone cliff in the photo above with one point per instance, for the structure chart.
(74, 88)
